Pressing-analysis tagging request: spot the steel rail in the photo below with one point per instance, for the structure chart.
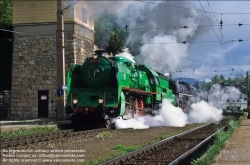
(198, 146)
(123, 158)
(189, 152)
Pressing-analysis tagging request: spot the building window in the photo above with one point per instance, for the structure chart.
(245, 99)
(227, 100)
(84, 15)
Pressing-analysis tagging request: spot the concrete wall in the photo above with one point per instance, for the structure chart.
(235, 105)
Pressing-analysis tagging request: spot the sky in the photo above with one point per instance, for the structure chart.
(210, 49)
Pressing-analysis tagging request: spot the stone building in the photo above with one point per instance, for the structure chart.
(34, 71)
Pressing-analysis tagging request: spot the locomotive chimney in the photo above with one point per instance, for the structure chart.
(101, 53)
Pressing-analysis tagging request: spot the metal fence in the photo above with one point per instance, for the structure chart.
(4, 104)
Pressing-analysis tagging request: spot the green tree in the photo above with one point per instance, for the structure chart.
(222, 78)
(238, 81)
(110, 33)
(115, 44)
(216, 80)
(5, 13)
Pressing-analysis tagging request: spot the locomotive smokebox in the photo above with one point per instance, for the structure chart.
(100, 53)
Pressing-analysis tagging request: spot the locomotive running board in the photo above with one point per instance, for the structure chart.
(138, 90)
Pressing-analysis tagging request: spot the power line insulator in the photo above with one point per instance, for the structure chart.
(240, 24)
(126, 27)
(184, 42)
(221, 22)
(240, 40)
(185, 27)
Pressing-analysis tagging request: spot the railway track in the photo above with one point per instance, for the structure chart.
(35, 138)
(172, 150)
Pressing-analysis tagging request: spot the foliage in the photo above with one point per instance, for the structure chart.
(26, 131)
(115, 44)
(215, 80)
(5, 13)
(238, 81)
(110, 33)
(218, 79)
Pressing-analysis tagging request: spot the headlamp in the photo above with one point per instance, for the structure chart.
(100, 101)
(75, 101)
(95, 56)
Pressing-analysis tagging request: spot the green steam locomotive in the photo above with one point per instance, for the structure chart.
(106, 88)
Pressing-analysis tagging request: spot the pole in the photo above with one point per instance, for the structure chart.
(247, 91)
(60, 59)
(203, 84)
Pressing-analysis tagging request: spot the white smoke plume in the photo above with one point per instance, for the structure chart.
(203, 112)
(200, 112)
(153, 22)
(162, 56)
(219, 96)
(161, 47)
(169, 116)
(127, 55)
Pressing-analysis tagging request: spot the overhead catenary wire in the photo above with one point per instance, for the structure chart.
(197, 42)
(187, 8)
(225, 55)
(221, 24)
(187, 42)
(41, 36)
(145, 43)
(187, 26)
(224, 42)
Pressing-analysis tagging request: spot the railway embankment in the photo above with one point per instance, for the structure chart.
(237, 149)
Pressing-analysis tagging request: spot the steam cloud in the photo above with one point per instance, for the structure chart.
(151, 22)
(127, 55)
(200, 112)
